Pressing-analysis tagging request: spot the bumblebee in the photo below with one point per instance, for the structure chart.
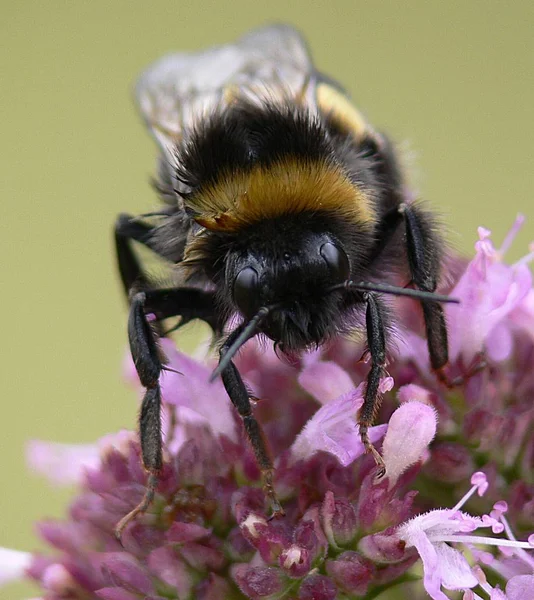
(283, 207)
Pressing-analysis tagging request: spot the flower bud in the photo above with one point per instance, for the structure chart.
(166, 564)
(451, 463)
(317, 587)
(339, 520)
(411, 429)
(259, 582)
(309, 534)
(125, 571)
(383, 547)
(212, 588)
(351, 572)
(237, 547)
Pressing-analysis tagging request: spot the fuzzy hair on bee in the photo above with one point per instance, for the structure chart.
(282, 207)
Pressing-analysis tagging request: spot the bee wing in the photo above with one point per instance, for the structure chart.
(180, 88)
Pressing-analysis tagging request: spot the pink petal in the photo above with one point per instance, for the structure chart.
(65, 464)
(499, 342)
(489, 291)
(13, 564)
(62, 464)
(193, 390)
(455, 571)
(442, 564)
(431, 570)
(411, 428)
(333, 429)
(190, 388)
(57, 578)
(412, 391)
(313, 356)
(414, 348)
(512, 234)
(520, 587)
(386, 384)
(325, 380)
(523, 315)
(119, 441)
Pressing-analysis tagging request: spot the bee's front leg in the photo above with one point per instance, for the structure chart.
(240, 397)
(189, 303)
(376, 340)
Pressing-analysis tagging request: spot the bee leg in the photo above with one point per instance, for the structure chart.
(187, 303)
(377, 349)
(240, 398)
(424, 257)
(477, 365)
(126, 230)
(149, 362)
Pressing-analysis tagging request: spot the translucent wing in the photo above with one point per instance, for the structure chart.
(180, 88)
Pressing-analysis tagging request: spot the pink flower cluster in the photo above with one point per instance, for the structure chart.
(345, 534)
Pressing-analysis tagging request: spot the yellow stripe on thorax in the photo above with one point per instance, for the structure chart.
(334, 103)
(290, 186)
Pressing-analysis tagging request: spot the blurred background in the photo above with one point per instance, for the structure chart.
(451, 80)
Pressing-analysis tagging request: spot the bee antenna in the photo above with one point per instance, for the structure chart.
(384, 288)
(242, 334)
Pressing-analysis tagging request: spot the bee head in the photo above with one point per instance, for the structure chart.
(291, 271)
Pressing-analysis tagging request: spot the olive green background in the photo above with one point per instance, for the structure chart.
(453, 79)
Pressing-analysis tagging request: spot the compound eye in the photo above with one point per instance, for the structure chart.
(337, 262)
(246, 291)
